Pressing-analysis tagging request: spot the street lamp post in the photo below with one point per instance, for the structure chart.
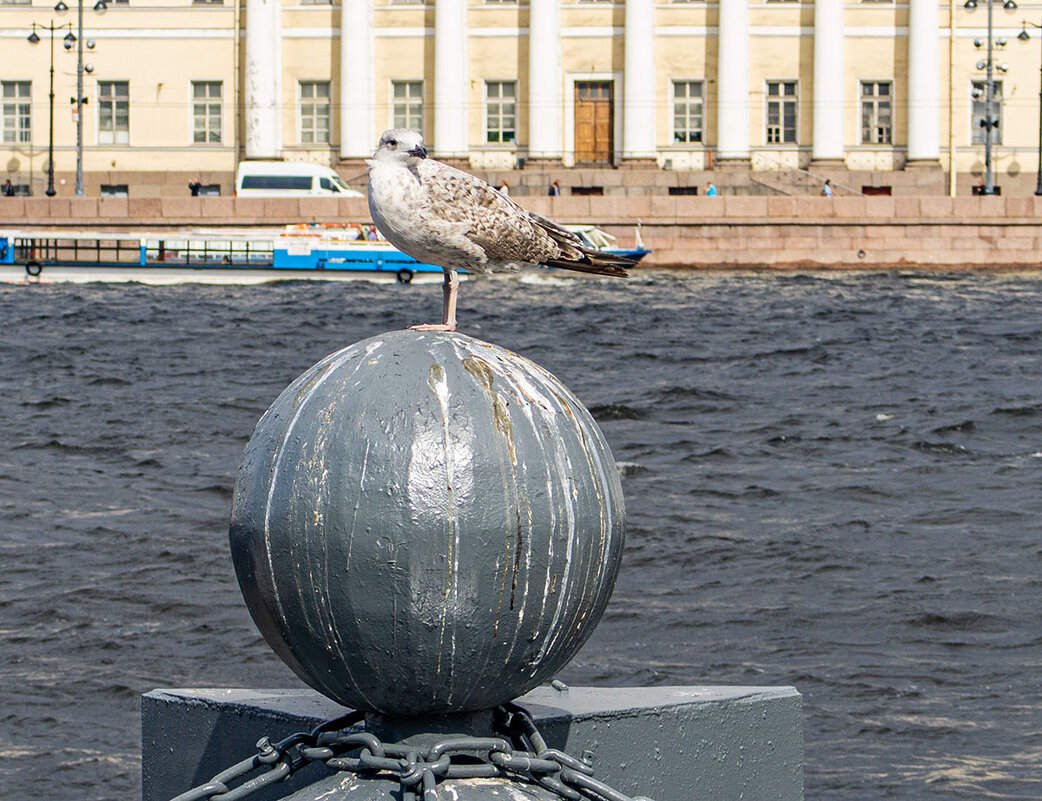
(990, 121)
(1025, 36)
(67, 42)
(34, 38)
(100, 7)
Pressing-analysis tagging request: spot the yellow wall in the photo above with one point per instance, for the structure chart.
(163, 47)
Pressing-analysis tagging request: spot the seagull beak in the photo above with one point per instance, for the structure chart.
(419, 151)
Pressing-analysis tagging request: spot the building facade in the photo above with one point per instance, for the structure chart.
(179, 89)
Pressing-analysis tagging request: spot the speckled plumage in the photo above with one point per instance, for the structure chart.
(444, 216)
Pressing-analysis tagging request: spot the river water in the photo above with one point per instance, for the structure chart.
(832, 482)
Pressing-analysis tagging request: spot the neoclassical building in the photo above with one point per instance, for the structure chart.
(183, 88)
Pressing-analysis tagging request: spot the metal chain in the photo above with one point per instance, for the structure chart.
(520, 754)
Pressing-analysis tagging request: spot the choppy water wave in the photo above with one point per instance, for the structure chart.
(832, 481)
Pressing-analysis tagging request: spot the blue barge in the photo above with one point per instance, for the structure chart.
(204, 257)
(302, 252)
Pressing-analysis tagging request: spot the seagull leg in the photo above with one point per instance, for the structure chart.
(448, 306)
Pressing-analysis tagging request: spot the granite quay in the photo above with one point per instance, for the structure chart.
(732, 232)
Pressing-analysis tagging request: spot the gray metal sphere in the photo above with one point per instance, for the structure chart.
(425, 523)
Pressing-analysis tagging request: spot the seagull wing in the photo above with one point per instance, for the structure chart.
(576, 256)
(502, 230)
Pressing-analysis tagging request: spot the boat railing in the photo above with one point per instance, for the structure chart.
(181, 251)
(77, 250)
(155, 250)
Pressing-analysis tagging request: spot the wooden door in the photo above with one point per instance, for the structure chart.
(594, 122)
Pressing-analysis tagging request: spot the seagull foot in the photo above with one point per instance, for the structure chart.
(433, 327)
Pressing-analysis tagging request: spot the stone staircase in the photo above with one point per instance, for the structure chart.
(798, 183)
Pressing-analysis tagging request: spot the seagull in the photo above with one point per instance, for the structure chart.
(443, 216)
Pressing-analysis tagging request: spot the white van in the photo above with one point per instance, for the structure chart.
(289, 179)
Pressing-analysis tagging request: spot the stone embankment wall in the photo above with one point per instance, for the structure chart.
(728, 232)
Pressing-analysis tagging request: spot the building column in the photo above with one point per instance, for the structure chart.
(827, 101)
(263, 79)
(545, 106)
(450, 79)
(357, 128)
(732, 82)
(924, 84)
(638, 88)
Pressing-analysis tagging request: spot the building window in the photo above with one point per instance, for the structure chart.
(408, 104)
(17, 97)
(979, 115)
(114, 190)
(314, 112)
(782, 103)
(687, 111)
(113, 112)
(500, 111)
(206, 112)
(877, 120)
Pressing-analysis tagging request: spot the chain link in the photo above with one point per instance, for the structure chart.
(520, 754)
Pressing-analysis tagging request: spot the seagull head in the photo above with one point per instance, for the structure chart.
(401, 145)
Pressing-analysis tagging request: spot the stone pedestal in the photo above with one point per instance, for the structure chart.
(824, 165)
(639, 164)
(666, 743)
(732, 164)
(922, 164)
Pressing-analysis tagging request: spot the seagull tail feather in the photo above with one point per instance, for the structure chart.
(593, 262)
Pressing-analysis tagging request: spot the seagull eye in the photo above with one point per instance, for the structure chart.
(392, 142)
